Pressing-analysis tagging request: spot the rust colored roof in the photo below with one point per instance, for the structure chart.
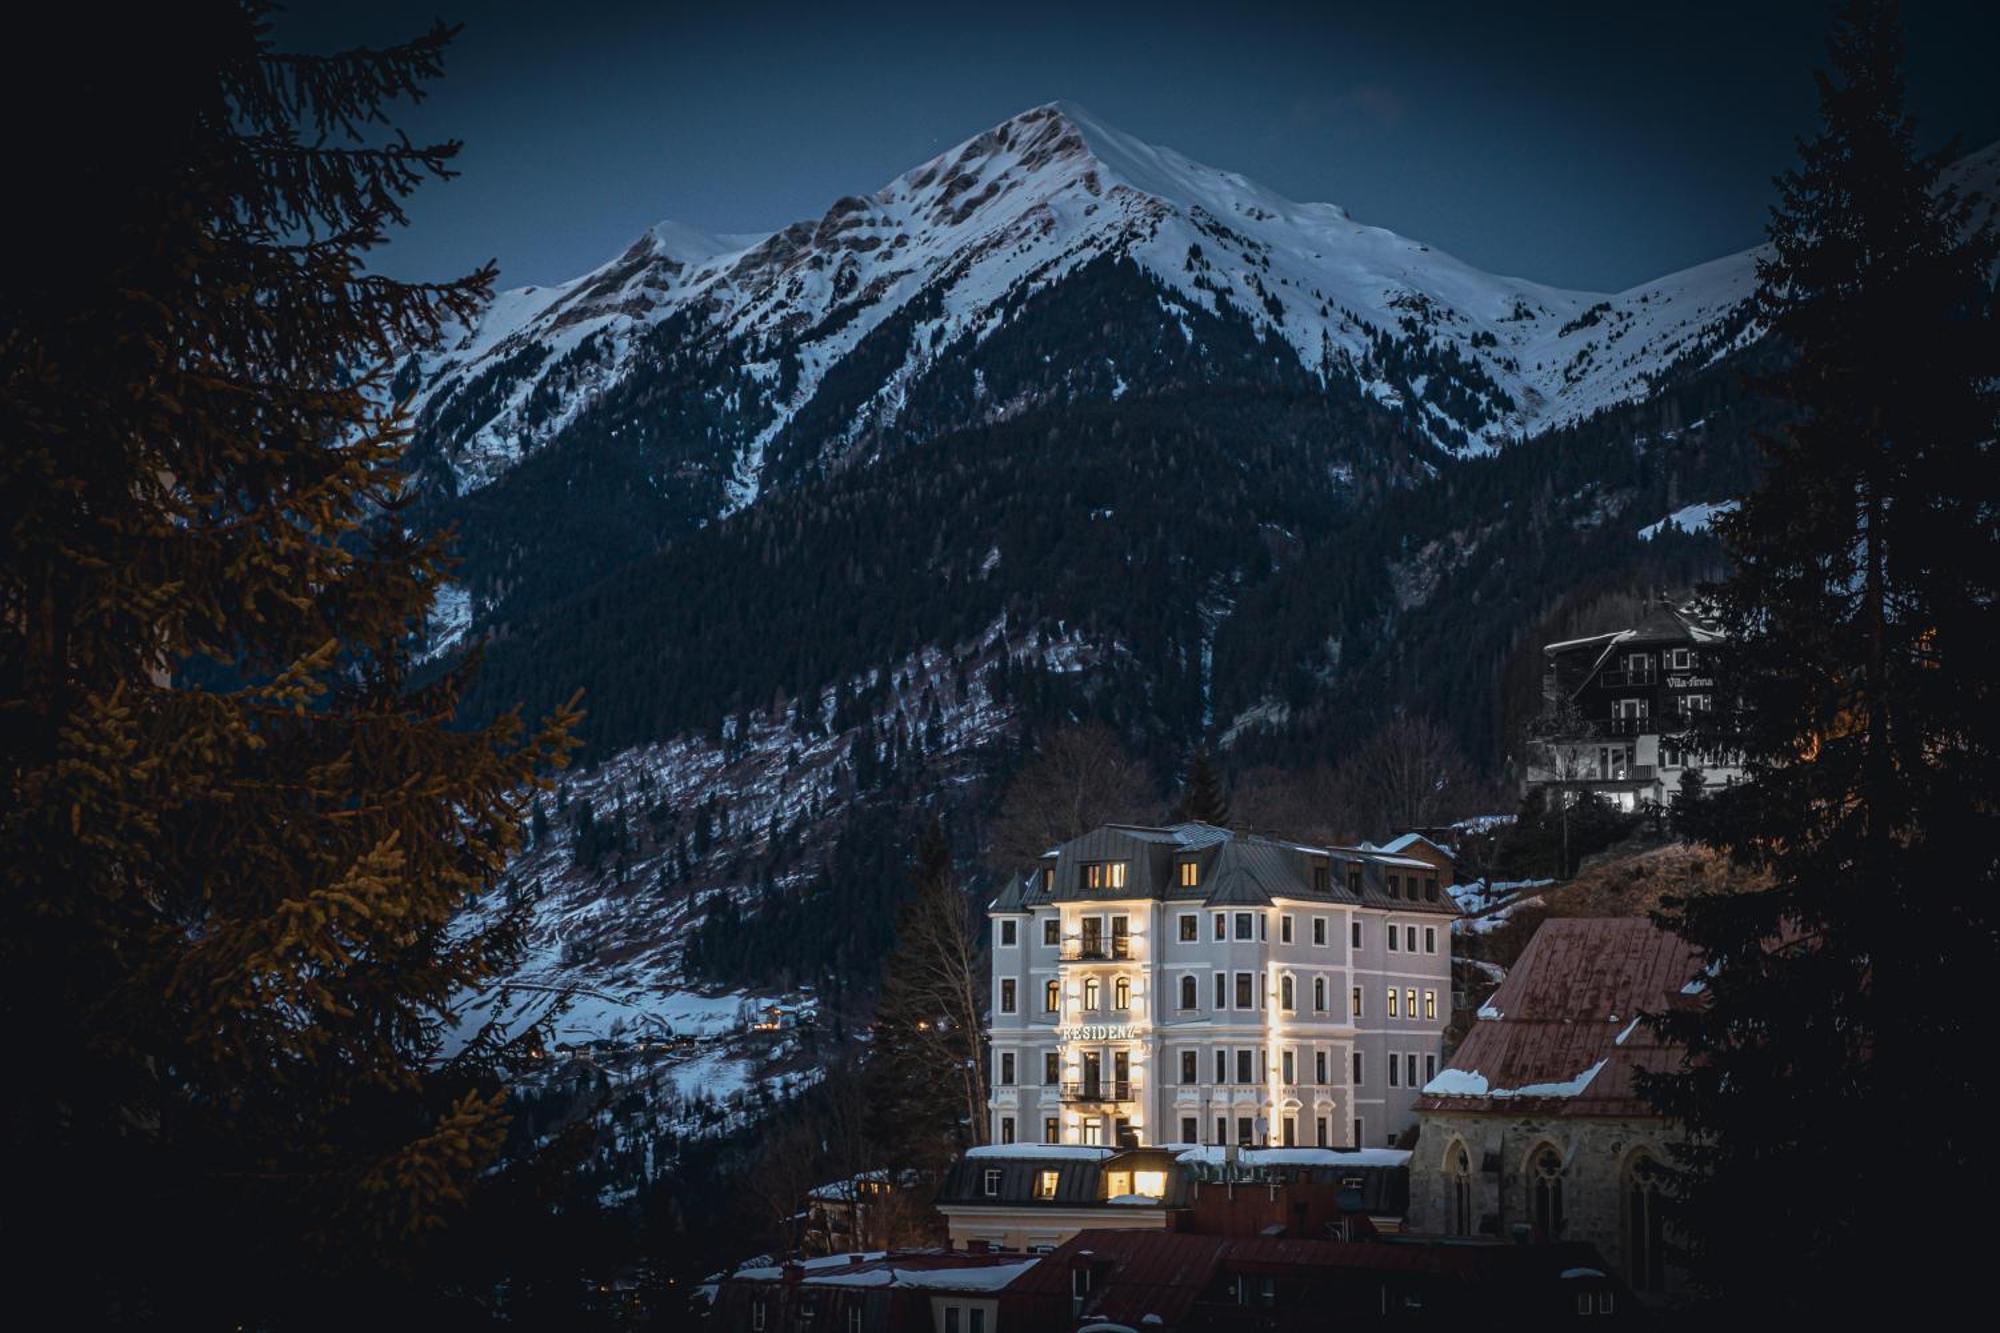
(1562, 1033)
(1141, 1278)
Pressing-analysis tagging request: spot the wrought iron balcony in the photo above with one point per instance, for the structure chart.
(1098, 1091)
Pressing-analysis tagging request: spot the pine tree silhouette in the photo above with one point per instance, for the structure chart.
(1202, 796)
(1846, 1001)
(237, 841)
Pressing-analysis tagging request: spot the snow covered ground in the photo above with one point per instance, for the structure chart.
(1693, 518)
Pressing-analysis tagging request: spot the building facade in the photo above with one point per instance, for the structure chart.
(1191, 985)
(1536, 1130)
(1034, 1197)
(1629, 696)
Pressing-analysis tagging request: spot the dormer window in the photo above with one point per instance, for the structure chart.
(1354, 880)
(1099, 876)
(1190, 874)
(991, 1183)
(1045, 1184)
(1322, 877)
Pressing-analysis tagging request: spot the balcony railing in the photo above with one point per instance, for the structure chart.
(1096, 951)
(1098, 1090)
(1621, 679)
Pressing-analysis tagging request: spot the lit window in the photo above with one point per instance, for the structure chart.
(1354, 1002)
(1394, 1012)
(1430, 1004)
(1152, 1184)
(1052, 997)
(1190, 875)
(1093, 993)
(1410, 1002)
(1045, 1184)
(1121, 993)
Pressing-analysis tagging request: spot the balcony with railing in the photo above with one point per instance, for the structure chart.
(1098, 1091)
(1618, 680)
(1087, 950)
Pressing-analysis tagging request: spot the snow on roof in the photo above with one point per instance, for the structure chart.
(1409, 840)
(1472, 1083)
(1567, 1023)
(926, 1271)
(1018, 1152)
(1213, 1155)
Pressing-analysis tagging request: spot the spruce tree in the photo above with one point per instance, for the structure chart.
(1837, 1084)
(1202, 797)
(238, 839)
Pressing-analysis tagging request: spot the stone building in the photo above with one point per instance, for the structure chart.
(1536, 1130)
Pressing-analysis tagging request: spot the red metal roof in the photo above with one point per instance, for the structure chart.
(1569, 1006)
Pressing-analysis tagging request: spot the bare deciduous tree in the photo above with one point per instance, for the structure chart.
(1081, 778)
(1410, 774)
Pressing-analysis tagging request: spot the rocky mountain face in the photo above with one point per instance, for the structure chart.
(1058, 426)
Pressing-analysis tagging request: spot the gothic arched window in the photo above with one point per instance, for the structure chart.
(1545, 1191)
(1644, 1217)
(1461, 1190)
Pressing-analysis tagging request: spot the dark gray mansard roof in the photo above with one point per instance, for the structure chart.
(1237, 870)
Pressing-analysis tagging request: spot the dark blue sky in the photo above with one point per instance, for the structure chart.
(1566, 143)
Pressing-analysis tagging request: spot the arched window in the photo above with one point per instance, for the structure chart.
(1052, 996)
(1458, 1166)
(1545, 1191)
(1645, 1239)
(1092, 994)
(1286, 997)
(1121, 993)
(1187, 992)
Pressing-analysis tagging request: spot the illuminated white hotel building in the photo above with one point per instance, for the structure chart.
(1193, 985)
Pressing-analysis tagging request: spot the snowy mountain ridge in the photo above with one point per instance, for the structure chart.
(955, 246)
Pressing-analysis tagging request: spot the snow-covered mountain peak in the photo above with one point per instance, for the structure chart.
(924, 270)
